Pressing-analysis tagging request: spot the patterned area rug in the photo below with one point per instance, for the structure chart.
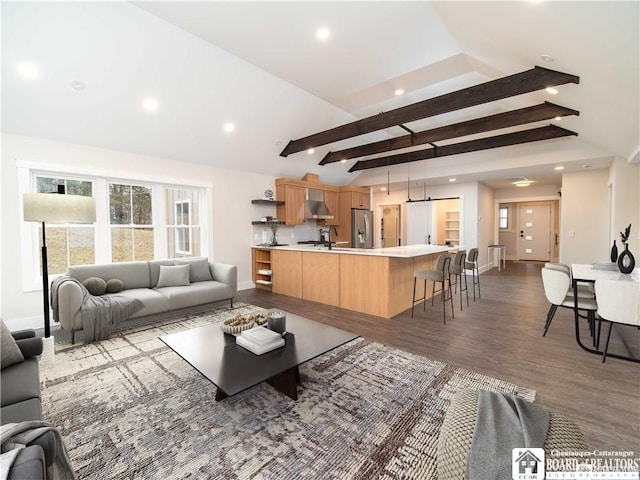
(129, 407)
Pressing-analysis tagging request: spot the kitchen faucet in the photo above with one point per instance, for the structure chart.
(328, 231)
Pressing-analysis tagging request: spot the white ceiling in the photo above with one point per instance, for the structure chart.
(259, 65)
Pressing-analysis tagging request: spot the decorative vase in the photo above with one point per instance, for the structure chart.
(274, 238)
(626, 261)
(614, 252)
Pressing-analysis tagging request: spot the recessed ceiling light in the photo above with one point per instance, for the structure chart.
(229, 127)
(559, 167)
(384, 189)
(344, 160)
(557, 119)
(323, 34)
(586, 165)
(546, 58)
(310, 151)
(77, 85)
(150, 104)
(28, 70)
(551, 90)
(399, 92)
(278, 142)
(523, 183)
(452, 179)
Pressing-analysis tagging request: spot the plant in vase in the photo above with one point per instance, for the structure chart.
(626, 261)
(274, 225)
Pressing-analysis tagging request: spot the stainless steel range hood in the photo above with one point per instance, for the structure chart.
(314, 206)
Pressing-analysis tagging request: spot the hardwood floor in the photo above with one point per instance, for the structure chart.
(501, 336)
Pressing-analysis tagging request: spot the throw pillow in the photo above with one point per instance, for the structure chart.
(9, 351)
(115, 285)
(95, 285)
(199, 268)
(173, 276)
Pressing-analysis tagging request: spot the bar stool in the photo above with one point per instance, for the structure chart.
(439, 274)
(472, 264)
(459, 272)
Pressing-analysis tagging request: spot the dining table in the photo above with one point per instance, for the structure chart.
(590, 273)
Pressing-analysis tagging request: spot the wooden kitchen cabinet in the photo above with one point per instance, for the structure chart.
(360, 200)
(292, 212)
(261, 268)
(332, 200)
(287, 272)
(321, 277)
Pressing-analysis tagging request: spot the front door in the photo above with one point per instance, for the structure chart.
(534, 229)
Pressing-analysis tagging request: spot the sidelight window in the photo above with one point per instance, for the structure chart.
(504, 217)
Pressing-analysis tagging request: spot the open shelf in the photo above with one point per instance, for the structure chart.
(262, 201)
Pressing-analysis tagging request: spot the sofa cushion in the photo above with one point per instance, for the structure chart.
(20, 382)
(154, 270)
(96, 286)
(29, 463)
(115, 285)
(196, 294)
(153, 301)
(175, 276)
(200, 271)
(9, 351)
(132, 274)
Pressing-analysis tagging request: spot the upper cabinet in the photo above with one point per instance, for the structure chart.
(292, 212)
(332, 199)
(360, 200)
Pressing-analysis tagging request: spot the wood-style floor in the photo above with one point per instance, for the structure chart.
(501, 336)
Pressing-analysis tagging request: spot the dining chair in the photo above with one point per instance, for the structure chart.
(584, 290)
(459, 273)
(618, 302)
(556, 283)
(471, 263)
(439, 274)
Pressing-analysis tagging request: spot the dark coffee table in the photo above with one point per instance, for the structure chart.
(233, 369)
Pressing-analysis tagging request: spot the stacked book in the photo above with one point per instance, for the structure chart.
(260, 340)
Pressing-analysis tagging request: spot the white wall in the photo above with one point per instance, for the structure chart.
(230, 212)
(487, 218)
(584, 217)
(624, 179)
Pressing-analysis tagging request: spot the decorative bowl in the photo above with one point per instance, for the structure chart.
(237, 324)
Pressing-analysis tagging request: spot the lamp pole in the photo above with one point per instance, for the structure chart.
(45, 284)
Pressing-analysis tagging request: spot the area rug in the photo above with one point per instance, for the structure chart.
(130, 408)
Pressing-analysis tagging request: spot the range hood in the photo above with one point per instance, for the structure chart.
(314, 206)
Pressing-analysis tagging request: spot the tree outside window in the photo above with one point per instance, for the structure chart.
(130, 216)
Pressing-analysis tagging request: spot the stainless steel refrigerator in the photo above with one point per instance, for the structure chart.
(361, 228)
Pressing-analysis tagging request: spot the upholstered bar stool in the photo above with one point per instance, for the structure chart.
(472, 264)
(459, 273)
(440, 274)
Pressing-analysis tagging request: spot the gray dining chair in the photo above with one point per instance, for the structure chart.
(459, 273)
(471, 263)
(618, 302)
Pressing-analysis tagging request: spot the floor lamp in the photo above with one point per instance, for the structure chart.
(55, 208)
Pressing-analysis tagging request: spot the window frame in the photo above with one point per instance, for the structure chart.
(505, 218)
(30, 240)
(183, 228)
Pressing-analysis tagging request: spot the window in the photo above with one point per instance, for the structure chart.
(67, 244)
(183, 222)
(504, 217)
(131, 220)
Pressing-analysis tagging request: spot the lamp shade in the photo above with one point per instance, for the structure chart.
(55, 208)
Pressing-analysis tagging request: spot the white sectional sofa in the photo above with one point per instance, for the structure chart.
(155, 283)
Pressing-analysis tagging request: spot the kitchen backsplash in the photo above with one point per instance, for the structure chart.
(287, 234)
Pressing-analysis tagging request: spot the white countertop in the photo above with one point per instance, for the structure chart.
(407, 251)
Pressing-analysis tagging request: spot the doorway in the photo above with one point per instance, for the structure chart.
(390, 226)
(535, 222)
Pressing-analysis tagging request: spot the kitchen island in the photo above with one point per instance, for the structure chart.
(375, 281)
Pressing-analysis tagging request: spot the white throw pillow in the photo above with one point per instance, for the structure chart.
(10, 352)
(173, 276)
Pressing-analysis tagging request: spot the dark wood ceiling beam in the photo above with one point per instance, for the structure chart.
(537, 113)
(516, 138)
(529, 81)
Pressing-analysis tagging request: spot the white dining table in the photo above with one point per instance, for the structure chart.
(586, 272)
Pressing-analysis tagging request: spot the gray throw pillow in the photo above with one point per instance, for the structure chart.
(114, 285)
(173, 276)
(9, 351)
(95, 285)
(199, 268)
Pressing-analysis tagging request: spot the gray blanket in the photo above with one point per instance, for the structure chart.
(17, 435)
(100, 315)
(503, 422)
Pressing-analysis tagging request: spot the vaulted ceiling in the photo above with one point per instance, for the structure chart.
(258, 65)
